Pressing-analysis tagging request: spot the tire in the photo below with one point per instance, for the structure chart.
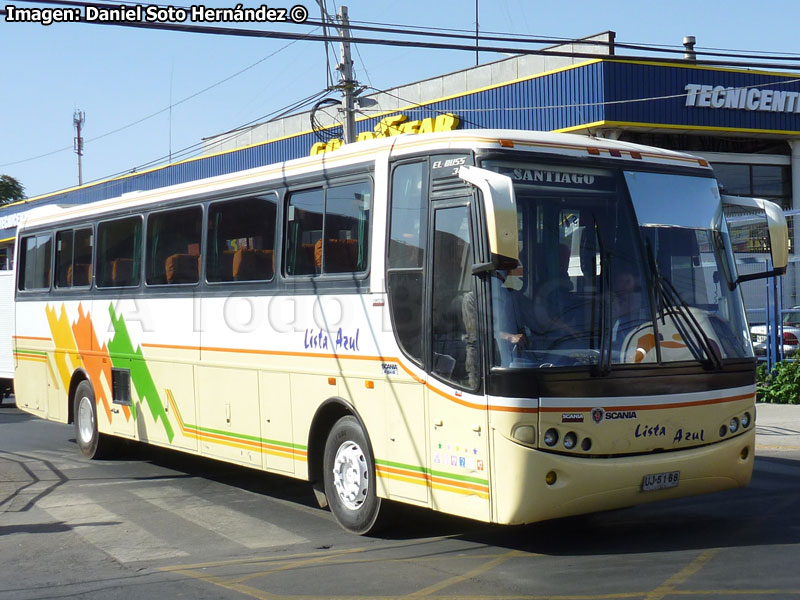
(90, 442)
(349, 477)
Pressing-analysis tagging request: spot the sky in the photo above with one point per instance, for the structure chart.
(118, 76)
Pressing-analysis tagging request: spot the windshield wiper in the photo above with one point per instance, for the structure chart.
(672, 296)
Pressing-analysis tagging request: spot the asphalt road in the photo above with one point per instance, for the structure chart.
(154, 524)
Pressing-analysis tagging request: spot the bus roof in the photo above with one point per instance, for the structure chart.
(561, 144)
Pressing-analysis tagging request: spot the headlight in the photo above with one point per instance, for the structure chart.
(734, 425)
(746, 420)
(570, 440)
(551, 437)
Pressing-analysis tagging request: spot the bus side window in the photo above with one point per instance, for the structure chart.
(119, 252)
(34, 262)
(405, 264)
(303, 231)
(73, 258)
(327, 230)
(241, 240)
(82, 257)
(347, 209)
(173, 246)
(64, 259)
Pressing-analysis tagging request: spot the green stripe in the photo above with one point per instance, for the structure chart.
(467, 478)
(37, 352)
(122, 354)
(242, 436)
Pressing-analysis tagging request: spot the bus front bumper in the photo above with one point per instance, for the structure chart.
(521, 492)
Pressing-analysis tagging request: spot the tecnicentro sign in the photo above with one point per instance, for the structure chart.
(742, 98)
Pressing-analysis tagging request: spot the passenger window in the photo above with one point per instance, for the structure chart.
(328, 230)
(119, 252)
(304, 230)
(173, 246)
(346, 244)
(64, 259)
(35, 260)
(74, 258)
(241, 240)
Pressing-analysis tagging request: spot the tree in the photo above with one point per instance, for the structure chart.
(11, 190)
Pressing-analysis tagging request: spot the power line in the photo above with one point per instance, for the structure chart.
(232, 31)
(188, 150)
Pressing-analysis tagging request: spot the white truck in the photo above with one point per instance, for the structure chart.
(6, 333)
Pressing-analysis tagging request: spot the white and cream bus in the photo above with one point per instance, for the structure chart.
(505, 325)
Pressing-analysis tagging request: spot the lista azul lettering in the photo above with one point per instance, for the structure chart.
(650, 431)
(689, 436)
(316, 339)
(537, 176)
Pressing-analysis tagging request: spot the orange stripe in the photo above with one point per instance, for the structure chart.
(197, 434)
(432, 478)
(654, 406)
(30, 337)
(339, 356)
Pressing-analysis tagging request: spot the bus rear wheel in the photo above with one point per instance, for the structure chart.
(349, 477)
(91, 443)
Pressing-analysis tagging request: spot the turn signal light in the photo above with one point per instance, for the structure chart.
(525, 434)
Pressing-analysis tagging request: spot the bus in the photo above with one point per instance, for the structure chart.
(505, 325)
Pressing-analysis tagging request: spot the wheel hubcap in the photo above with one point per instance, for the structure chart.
(85, 420)
(350, 476)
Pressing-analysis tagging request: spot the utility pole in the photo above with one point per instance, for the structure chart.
(346, 83)
(78, 119)
(477, 46)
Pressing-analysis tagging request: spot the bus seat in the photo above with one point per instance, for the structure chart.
(182, 268)
(250, 264)
(306, 263)
(341, 256)
(79, 274)
(122, 271)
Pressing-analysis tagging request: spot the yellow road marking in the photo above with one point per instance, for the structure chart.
(668, 587)
(235, 587)
(468, 575)
(293, 565)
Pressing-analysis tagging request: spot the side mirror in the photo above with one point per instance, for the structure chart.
(500, 213)
(746, 214)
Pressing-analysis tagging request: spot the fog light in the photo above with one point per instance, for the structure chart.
(744, 453)
(551, 478)
(722, 431)
(551, 437)
(746, 420)
(525, 434)
(570, 440)
(586, 444)
(734, 426)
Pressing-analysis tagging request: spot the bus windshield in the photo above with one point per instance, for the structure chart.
(604, 281)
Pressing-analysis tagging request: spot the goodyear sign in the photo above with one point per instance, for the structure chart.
(395, 125)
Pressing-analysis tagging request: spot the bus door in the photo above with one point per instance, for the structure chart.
(458, 425)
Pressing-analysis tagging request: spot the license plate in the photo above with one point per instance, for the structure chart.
(660, 481)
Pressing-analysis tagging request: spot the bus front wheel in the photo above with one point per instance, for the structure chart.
(89, 439)
(349, 477)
